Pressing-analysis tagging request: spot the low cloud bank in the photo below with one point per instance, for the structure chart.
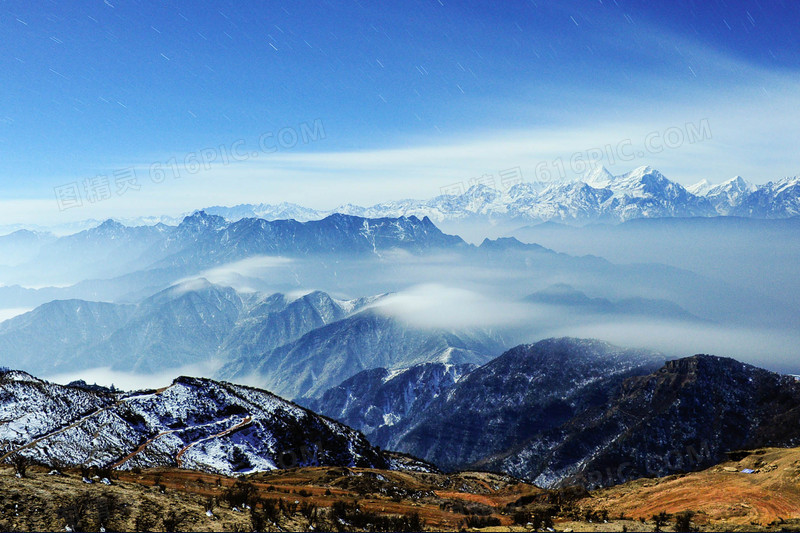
(133, 381)
(773, 349)
(441, 306)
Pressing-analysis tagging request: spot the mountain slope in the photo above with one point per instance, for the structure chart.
(528, 390)
(189, 323)
(182, 325)
(194, 423)
(646, 193)
(683, 417)
(52, 335)
(277, 320)
(752, 488)
(728, 196)
(22, 245)
(376, 401)
(780, 199)
(110, 249)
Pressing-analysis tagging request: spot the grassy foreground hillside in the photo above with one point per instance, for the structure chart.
(755, 491)
(320, 498)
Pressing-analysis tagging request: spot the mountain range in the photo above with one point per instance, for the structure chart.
(201, 239)
(417, 357)
(598, 196)
(300, 342)
(113, 261)
(293, 345)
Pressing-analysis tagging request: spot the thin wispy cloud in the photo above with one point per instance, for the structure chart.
(549, 82)
(744, 138)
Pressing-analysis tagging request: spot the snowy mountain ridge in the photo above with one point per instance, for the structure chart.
(597, 196)
(193, 423)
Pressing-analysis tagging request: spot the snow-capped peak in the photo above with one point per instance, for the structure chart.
(641, 172)
(736, 183)
(482, 191)
(642, 181)
(786, 183)
(700, 188)
(598, 177)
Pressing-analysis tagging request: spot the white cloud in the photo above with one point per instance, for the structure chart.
(767, 348)
(132, 381)
(241, 275)
(252, 267)
(11, 312)
(440, 306)
(753, 113)
(751, 136)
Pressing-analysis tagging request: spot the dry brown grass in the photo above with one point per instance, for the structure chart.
(37, 502)
(722, 496)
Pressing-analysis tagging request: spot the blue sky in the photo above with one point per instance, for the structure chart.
(412, 96)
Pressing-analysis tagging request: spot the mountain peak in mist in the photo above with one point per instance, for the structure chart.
(202, 219)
